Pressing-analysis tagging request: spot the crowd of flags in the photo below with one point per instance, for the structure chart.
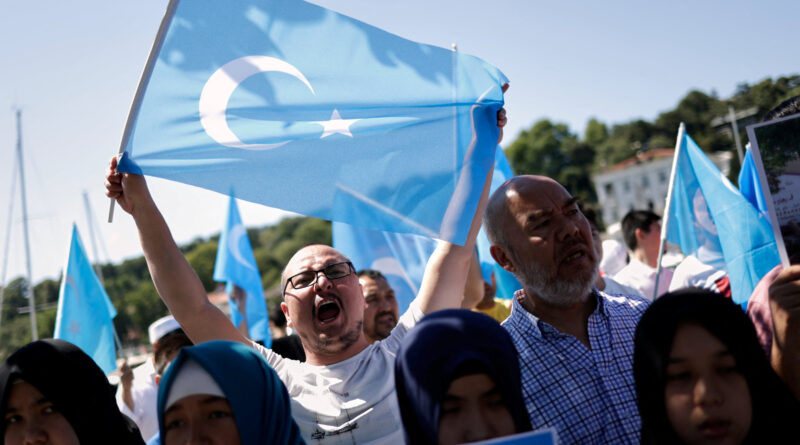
(300, 108)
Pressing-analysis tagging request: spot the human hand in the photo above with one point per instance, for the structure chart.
(129, 190)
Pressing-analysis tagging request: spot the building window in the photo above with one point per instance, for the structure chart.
(626, 186)
(609, 188)
(662, 176)
(645, 182)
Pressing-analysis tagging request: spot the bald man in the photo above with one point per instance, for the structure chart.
(575, 343)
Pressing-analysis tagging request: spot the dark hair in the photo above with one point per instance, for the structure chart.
(637, 219)
(170, 343)
(591, 216)
(78, 388)
(277, 316)
(786, 108)
(774, 408)
(370, 273)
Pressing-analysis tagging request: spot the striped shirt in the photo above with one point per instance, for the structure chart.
(587, 395)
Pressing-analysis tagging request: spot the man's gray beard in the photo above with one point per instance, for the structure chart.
(555, 292)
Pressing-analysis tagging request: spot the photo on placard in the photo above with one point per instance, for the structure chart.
(776, 151)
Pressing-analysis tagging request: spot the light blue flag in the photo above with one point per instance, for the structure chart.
(236, 265)
(400, 257)
(85, 313)
(507, 284)
(300, 108)
(750, 186)
(709, 214)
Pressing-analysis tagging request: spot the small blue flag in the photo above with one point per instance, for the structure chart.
(236, 265)
(507, 284)
(400, 257)
(749, 184)
(707, 212)
(300, 108)
(85, 313)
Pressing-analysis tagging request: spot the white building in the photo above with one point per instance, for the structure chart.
(640, 183)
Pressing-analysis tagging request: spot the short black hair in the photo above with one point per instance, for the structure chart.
(637, 219)
(370, 273)
(171, 342)
(591, 216)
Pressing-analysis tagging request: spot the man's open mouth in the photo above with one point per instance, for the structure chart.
(327, 309)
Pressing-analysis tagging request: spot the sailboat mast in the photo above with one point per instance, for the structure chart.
(31, 301)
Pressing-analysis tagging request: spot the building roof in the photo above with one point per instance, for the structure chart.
(642, 157)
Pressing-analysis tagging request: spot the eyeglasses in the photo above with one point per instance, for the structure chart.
(309, 277)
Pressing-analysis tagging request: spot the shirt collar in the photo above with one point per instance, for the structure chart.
(527, 322)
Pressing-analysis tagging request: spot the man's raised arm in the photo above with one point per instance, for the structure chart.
(175, 280)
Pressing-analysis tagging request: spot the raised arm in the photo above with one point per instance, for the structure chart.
(784, 301)
(175, 280)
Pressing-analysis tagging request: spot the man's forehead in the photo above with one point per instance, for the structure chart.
(315, 256)
(378, 282)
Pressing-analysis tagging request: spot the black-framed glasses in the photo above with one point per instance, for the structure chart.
(309, 277)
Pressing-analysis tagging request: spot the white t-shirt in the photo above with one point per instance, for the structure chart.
(642, 277)
(144, 393)
(350, 402)
(692, 272)
(614, 288)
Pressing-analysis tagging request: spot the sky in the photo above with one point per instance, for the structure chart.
(73, 69)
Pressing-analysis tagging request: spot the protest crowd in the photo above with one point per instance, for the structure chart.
(588, 355)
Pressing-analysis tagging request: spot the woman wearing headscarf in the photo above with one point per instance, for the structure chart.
(701, 375)
(225, 393)
(52, 392)
(457, 379)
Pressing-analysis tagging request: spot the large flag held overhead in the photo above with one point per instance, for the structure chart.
(300, 108)
(749, 183)
(236, 265)
(707, 213)
(85, 313)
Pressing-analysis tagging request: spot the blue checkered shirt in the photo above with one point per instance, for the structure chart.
(588, 395)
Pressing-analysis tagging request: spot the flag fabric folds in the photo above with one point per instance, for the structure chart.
(85, 313)
(300, 108)
(708, 213)
(236, 265)
(749, 184)
(400, 257)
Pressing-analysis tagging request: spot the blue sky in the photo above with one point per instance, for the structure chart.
(73, 68)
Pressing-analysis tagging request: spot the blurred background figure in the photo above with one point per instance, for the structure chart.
(615, 257)
(497, 308)
(381, 313)
(457, 379)
(203, 399)
(642, 232)
(51, 392)
(701, 376)
(283, 343)
(137, 392)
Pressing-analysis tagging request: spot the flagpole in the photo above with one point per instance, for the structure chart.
(8, 239)
(665, 217)
(31, 301)
(137, 99)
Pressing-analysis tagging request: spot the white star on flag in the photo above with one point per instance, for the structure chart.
(337, 125)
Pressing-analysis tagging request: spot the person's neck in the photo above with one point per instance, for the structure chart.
(486, 304)
(641, 255)
(325, 358)
(572, 319)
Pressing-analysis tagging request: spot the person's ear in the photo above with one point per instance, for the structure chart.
(285, 309)
(502, 257)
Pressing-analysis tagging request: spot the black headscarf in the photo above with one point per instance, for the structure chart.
(774, 407)
(443, 346)
(72, 381)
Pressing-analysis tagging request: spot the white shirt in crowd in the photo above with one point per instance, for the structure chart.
(353, 401)
(642, 277)
(144, 393)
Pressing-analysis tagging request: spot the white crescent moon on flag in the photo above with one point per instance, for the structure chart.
(390, 266)
(220, 86)
(234, 236)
